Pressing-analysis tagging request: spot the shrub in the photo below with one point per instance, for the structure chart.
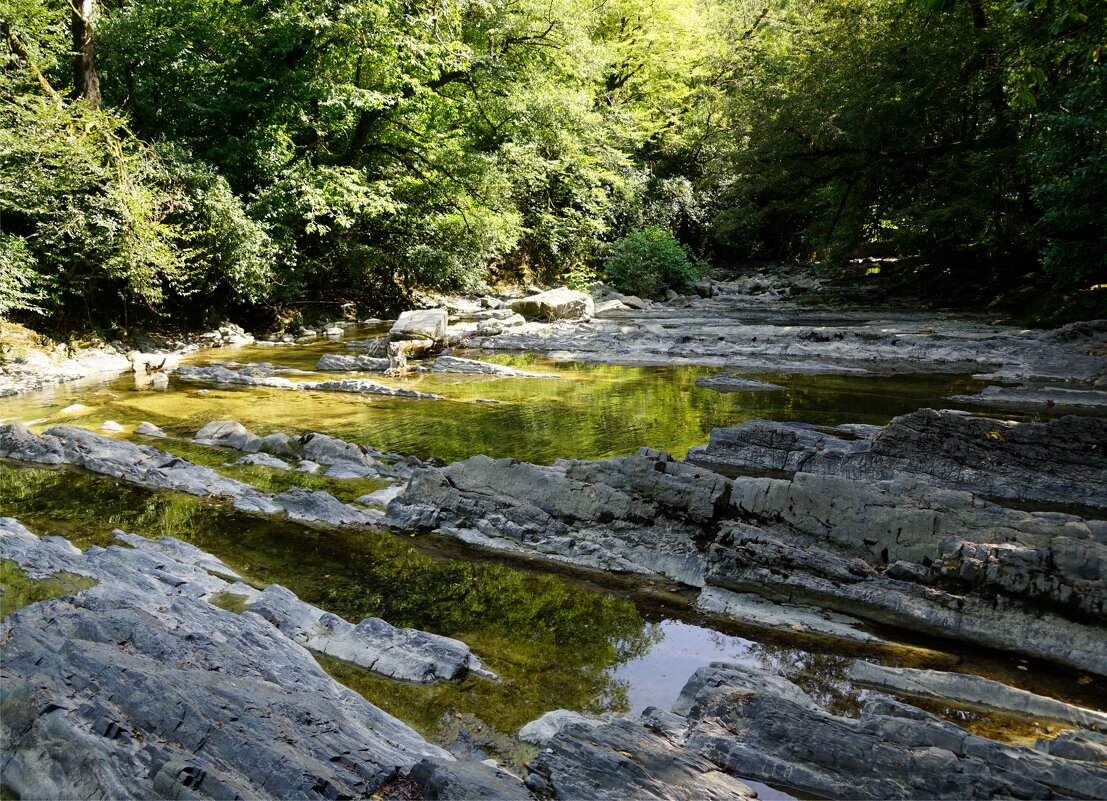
(649, 261)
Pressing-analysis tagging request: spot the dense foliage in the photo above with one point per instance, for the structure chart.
(208, 157)
(649, 261)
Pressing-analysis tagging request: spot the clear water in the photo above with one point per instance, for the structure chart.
(558, 638)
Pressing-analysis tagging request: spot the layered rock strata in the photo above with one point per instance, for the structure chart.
(140, 687)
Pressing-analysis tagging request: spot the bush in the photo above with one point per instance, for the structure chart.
(649, 261)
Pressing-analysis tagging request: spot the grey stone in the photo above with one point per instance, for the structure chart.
(757, 611)
(363, 387)
(441, 780)
(155, 692)
(724, 382)
(454, 364)
(339, 362)
(1056, 461)
(228, 434)
(149, 430)
(420, 324)
(892, 751)
(626, 760)
(1035, 398)
(555, 304)
(975, 691)
(407, 654)
(543, 729)
(263, 460)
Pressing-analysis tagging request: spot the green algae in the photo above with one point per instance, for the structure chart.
(20, 590)
(231, 601)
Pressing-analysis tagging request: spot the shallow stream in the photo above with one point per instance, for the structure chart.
(559, 638)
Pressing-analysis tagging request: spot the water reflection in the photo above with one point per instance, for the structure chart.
(592, 411)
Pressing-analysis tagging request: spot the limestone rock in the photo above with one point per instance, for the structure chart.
(420, 324)
(336, 362)
(455, 364)
(156, 693)
(556, 304)
(975, 691)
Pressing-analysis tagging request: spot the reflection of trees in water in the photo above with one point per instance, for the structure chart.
(554, 644)
(821, 676)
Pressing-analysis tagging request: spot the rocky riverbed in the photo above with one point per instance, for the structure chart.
(164, 671)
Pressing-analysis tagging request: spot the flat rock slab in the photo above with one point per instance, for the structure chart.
(1037, 398)
(555, 305)
(157, 693)
(337, 362)
(724, 382)
(149, 467)
(420, 324)
(1059, 461)
(455, 364)
(407, 654)
(975, 691)
(253, 378)
(758, 611)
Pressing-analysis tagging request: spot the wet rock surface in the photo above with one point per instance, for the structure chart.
(262, 376)
(1036, 398)
(149, 467)
(398, 653)
(455, 364)
(974, 691)
(337, 362)
(1061, 461)
(900, 552)
(724, 382)
(140, 687)
(732, 721)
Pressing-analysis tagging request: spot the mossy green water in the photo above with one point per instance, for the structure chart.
(19, 589)
(590, 412)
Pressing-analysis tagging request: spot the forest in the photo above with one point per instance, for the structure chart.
(172, 162)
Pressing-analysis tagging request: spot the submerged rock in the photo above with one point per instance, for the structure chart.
(254, 378)
(1036, 398)
(724, 382)
(407, 654)
(454, 364)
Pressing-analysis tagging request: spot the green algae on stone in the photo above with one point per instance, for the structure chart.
(20, 590)
(231, 601)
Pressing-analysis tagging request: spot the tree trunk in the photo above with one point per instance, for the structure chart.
(86, 83)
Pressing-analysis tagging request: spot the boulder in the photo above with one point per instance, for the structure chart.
(420, 324)
(228, 434)
(556, 304)
(149, 430)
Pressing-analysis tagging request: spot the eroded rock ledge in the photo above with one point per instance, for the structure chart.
(154, 692)
(733, 721)
(902, 551)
